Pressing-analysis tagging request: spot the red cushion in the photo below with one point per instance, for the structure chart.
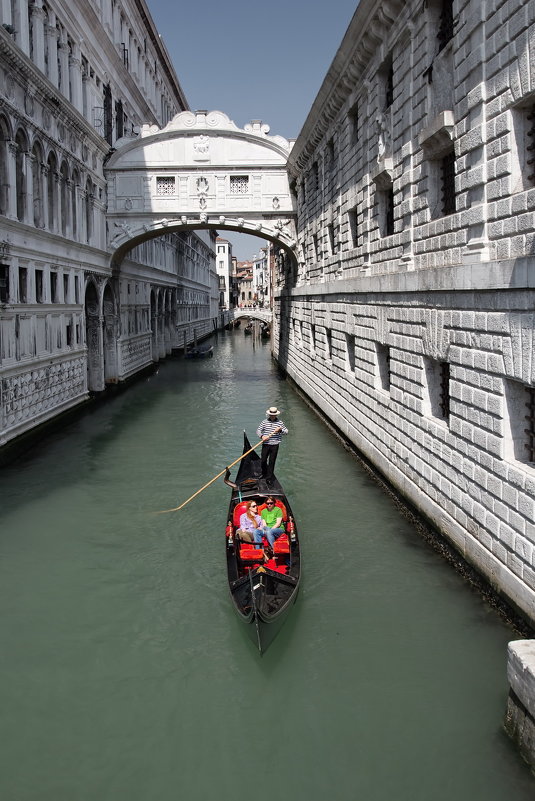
(282, 544)
(250, 554)
(239, 509)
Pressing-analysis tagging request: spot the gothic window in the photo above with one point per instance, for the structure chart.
(37, 185)
(74, 203)
(64, 187)
(88, 210)
(52, 192)
(4, 155)
(22, 149)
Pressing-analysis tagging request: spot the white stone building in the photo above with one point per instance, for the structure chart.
(261, 279)
(408, 317)
(224, 271)
(75, 77)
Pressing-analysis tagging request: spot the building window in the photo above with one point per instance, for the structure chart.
(383, 366)
(53, 287)
(447, 182)
(165, 185)
(312, 338)
(108, 114)
(239, 184)
(315, 176)
(350, 353)
(332, 238)
(68, 335)
(437, 383)
(386, 77)
(385, 209)
(39, 286)
(328, 344)
(445, 26)
(23, 284)
(353, 119)
(4, 283)
(520, 422)
(352, 217)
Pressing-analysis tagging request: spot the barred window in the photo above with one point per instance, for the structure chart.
(446, 23)
(447, 175)
(239, 184)
(382, 366)
(165, 185)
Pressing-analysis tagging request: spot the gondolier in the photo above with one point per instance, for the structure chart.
(270, 431)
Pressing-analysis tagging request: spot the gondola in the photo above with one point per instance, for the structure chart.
(248, 329)
(263, 587)
(203, 352)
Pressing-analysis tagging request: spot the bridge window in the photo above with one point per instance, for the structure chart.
(239, 184)
(383, 366)
(165, 185)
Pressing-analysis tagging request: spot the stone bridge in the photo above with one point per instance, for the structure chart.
(200, 171)
(264, 315)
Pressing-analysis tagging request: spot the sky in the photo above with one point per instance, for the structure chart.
(252, 60)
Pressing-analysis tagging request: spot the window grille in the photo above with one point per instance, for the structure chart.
(165, 185)
(445, 25)
(447, 172)
(383, 365)
(239, 184)
(531, 142)
(124, 54)
(530, 429)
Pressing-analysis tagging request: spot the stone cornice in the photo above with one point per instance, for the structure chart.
(47, 93)
(367, 30)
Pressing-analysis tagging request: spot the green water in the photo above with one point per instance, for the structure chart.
(125, 674)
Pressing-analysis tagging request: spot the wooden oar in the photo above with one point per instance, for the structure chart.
(165, 511)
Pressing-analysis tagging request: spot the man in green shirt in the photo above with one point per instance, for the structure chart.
(272, 516)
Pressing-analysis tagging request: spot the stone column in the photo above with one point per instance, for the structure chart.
(52, 35)
(21, 24)
(75, 67)
(38, 35)
(63, 77)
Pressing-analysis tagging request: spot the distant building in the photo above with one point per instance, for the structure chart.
(224, 271)
(261, 279)
(244, 277)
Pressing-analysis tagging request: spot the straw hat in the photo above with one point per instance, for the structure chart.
(272, 411)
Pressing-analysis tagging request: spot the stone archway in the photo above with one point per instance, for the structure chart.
(201, 171)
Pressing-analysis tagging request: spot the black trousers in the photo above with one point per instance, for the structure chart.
(269, 457)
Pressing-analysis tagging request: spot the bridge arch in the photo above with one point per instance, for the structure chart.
(200, 172)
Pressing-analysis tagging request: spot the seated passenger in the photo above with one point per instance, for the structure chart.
(251, 524)
(272, 519)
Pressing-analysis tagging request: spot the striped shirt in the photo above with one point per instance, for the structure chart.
(266, 427)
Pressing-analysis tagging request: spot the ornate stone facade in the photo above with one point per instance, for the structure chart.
(76, 78)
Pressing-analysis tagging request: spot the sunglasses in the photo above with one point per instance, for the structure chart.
(270, 503)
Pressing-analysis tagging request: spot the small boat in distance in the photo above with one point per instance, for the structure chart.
(248, 328)
(202, 352)
(263, 585)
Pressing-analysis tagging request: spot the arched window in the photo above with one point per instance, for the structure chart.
(88, 210)
(22, 149)
(4, 174)
(74, 201)
(37, 185)
(52, 165)
(64, 186)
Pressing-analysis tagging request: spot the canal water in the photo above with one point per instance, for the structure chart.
(124, 672)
